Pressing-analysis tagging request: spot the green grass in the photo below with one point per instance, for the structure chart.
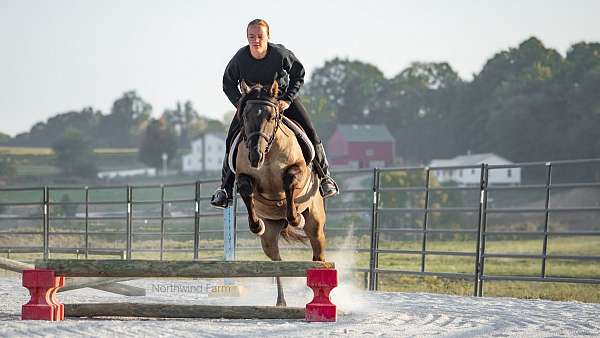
(41, 151)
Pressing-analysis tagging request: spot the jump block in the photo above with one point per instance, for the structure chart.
(43, 305)
(321, 309)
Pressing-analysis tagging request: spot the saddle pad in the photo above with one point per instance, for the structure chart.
(308, 150)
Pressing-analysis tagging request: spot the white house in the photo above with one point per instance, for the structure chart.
(207, 154)
(473, 175)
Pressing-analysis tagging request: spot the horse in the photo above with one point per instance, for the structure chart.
(279, 189)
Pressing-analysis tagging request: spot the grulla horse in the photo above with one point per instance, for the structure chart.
(279, 189)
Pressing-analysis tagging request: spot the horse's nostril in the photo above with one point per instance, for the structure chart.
(255, 157)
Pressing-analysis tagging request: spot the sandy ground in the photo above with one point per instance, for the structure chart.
(366, 314)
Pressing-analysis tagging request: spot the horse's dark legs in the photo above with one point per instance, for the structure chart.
(291, 185)
(246, 189)
(270, 245)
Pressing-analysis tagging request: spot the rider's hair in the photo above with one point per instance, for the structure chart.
(259, 22)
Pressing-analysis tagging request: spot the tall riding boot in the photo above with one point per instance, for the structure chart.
(328, 186)
(224, 195)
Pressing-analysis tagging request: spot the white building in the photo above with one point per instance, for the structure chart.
(207, 154)
(116, 173)
(473, 175)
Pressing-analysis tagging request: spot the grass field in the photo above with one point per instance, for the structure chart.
(44, 151)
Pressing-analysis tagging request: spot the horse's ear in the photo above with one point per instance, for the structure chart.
(274, 89)
(244, 87)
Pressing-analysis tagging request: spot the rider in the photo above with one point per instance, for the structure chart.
(262, 62)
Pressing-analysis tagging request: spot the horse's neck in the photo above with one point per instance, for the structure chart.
(285, 142)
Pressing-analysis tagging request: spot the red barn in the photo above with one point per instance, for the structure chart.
(361, 146)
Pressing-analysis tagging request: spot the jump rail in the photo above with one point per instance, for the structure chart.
(49, 276)
(181, 311)
(186, 269)
(105, 284)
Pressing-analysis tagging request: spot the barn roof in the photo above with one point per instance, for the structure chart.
(365, 133)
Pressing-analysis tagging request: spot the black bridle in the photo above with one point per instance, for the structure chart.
(259, 133)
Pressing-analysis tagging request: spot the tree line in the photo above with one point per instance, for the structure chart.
(528, 103)
(73, 135)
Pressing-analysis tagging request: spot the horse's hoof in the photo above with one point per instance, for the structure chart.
(300, 222)
(261, 228)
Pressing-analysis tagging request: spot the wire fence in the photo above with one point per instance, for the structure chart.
(451, 222)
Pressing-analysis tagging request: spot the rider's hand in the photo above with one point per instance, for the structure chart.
(283, 105)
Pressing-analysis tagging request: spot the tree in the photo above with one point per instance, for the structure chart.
(74, 155)
(86, 121)
(7, 167)
(65, 208)
(158, 139)
(4, 138)
(409, 199)
(322, 115)
(345, 88)
(127, 120)
(417, 106)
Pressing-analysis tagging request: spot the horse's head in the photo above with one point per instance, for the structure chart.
(260, 115)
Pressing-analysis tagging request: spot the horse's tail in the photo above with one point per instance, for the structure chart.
(291, 234)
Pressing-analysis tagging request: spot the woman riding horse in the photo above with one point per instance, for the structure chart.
(280, 191)
(261, 62)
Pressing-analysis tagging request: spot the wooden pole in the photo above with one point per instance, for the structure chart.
(104, 284)
(196, 269)
(111, 285)
(181, 311)
(15, 266)
(121, 289)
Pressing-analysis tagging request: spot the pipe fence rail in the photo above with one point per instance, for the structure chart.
(406, 206)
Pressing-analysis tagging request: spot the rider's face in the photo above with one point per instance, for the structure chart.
(257, 39)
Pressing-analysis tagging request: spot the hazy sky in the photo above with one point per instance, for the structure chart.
(64, 55)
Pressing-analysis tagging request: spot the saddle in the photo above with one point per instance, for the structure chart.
(308, 150)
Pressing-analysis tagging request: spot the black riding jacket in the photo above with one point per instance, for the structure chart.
(279, 64)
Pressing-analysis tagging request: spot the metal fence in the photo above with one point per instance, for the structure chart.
(401, 211)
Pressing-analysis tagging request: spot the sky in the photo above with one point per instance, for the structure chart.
(63, 55)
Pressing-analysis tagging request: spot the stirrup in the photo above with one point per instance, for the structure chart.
(327, 180)
(220, 203)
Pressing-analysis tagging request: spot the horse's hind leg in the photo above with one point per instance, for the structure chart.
(291, 184)
(246, 189)
(270, 245)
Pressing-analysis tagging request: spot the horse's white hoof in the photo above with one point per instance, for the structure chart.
(301, 222)
(261, 226)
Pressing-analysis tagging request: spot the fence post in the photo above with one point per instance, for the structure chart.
(484, 201)
(162, 220)
(373, 262)
(424, 239)
(45, 221)
(87, 243)
(197, 221)
(546, 217)
(229, 230)
(478, 239)
(129, 221)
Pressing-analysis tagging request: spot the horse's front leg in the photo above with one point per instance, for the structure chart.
(246, 190)
(292, 179)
